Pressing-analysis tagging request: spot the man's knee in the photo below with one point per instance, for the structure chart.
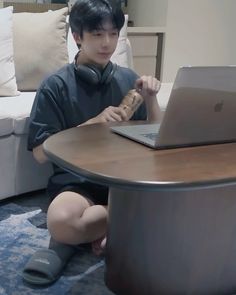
(63, 217)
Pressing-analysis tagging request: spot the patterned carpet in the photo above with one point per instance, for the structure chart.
(22, 232)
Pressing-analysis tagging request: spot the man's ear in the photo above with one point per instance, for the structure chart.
(77, 38)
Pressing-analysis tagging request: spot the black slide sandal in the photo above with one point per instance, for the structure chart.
(47, 265)
(43, 268)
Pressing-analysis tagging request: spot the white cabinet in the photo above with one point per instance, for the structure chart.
(147, 50)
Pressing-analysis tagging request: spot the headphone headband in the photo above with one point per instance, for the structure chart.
(93, 75)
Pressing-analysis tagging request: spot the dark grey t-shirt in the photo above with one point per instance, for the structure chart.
(64, 101)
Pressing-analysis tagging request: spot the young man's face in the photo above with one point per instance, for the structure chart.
(97, 47)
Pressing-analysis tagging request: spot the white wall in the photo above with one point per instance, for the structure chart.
(199, 32)
(147, 13)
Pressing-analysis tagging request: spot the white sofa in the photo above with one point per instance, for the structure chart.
(19, 172)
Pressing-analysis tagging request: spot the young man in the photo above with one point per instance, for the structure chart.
(87, 91)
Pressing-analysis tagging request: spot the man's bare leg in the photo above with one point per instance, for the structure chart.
(99, 246)
(73, 219)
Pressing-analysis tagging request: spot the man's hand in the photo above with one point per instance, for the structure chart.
(147, 86)
(110, 114)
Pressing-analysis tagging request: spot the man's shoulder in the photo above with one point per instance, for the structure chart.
(62, 75)
(68, 68)
(125, 71)
(125, 75)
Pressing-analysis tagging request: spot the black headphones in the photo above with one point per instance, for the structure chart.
(92, 75)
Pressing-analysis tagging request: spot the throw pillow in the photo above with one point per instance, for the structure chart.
(39, 46)
(120, 55)
(71, 44)
(8, 85)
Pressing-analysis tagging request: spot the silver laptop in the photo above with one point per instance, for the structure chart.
(201, 110)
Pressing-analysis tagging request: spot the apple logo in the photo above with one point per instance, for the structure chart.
(219, 106)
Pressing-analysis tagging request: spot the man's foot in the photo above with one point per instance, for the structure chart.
(47, 265)
(99, 246)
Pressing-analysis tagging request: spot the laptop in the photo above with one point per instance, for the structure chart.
(201, 110)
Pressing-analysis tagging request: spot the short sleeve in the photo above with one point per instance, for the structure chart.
(46, 116)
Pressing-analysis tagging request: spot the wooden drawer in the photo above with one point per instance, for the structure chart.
(143, 45)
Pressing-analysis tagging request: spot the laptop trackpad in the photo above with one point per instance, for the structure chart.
(149, 131)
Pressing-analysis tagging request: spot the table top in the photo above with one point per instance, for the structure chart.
(94, 152)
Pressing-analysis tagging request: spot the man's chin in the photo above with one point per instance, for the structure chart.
(102, 64)
(103, 60)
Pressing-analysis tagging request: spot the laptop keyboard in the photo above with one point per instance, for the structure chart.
(151, 136)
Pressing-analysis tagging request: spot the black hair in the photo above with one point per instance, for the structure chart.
(89, 15)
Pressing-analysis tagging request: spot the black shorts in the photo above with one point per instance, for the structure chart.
(62, 182)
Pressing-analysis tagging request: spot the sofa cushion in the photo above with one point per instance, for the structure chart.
(120, 55)
(18, 110)
(6, 123)
(8, 85)
(8, 166)
(71, 46)
(39, 46)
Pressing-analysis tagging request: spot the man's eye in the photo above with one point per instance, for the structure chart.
(97, 33)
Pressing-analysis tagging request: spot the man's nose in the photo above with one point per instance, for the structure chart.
(106, 39)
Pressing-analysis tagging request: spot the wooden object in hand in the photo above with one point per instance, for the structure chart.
(131, 102)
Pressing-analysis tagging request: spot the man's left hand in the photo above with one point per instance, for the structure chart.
(147, 86)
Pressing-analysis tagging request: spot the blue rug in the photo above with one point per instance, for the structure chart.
(22, 232)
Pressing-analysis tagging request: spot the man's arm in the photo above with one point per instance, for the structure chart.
(39, 154)
(153, 109)
(110, 114)
(148, 87)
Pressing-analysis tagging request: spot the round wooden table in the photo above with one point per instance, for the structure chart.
(172, 213)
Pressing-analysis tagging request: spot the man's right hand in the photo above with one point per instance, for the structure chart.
(110, 114)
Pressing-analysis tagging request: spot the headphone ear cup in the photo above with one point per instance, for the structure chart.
(108, 73)
(89, 74)
(93, 75)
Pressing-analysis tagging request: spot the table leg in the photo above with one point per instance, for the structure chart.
(176, 242)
